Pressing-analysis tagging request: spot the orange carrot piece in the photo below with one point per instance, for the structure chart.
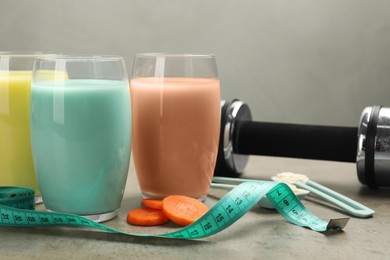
(152, 203)
(183, 210)
(146, 217)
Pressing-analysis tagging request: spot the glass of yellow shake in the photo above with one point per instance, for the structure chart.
(16, 164)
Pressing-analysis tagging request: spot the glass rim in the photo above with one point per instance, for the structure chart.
(81, 58)
(172, 55)
(25, 54)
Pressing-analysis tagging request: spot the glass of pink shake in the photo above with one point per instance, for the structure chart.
(176, 123)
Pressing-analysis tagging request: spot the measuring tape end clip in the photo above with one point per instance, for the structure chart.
(337, 223)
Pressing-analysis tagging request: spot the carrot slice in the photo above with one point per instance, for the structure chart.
(183, 210)
(152, 203)
(146, 217)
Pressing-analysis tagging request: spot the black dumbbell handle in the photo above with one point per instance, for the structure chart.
(296, 141)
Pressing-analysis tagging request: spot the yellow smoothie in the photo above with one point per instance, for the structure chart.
(16, 164)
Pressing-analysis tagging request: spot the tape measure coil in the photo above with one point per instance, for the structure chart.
(17, 197)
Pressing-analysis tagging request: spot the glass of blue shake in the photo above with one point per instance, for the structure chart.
(81, 133)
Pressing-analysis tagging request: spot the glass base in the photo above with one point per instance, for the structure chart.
(98, 217)
(102, 217)
(153, 196)
(38, 200)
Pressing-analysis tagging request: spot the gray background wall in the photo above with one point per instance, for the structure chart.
(297, 61)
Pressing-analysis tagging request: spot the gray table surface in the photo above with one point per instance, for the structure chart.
(260, 234)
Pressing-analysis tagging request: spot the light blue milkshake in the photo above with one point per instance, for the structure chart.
(81, 133)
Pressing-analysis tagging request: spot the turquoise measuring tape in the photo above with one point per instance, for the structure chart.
(17, 210)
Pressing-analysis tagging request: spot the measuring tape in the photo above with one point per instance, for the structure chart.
(16, 197)
(17, 204)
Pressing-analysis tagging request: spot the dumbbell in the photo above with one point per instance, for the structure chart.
(367, 145)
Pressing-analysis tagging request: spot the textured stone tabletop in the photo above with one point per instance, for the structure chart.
(260, 234)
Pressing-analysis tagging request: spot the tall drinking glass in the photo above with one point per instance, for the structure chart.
(16, 164)
(81, 130)
(176, 122)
